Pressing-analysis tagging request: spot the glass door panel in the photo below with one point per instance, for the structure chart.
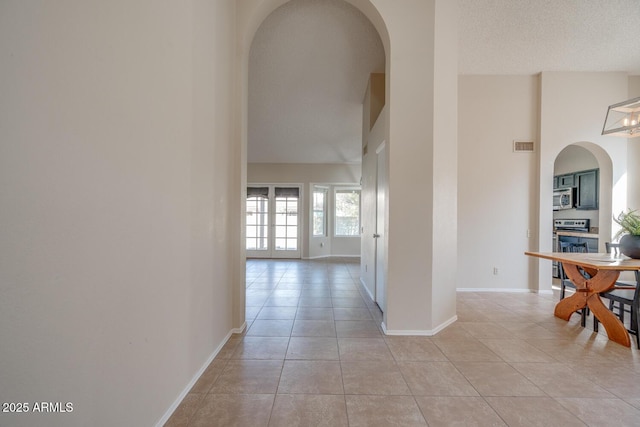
(287, 201)
(272, 224)
(257, 222)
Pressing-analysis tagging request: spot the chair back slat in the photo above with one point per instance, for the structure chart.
(612, 248)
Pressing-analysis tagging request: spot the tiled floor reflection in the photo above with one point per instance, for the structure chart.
(314, 355)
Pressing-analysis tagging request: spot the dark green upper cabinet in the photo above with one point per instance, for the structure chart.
(587, 194)
(566, 181)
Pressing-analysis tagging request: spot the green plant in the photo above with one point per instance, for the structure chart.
(630, 223)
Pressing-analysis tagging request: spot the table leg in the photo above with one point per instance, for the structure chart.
(587, 294)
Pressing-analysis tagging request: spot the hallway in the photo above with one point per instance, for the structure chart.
(313, 354)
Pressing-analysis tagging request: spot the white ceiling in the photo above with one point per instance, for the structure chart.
(529, 36)
(311, 59)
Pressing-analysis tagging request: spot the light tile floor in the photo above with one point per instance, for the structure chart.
(314, 355)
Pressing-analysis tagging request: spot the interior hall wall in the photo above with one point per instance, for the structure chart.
(573, 107)
(633, 164)
(496, 187)
(421, 103)
(114, 180)
(445, 164)
(306, 175)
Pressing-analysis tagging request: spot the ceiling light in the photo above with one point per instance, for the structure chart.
(623, 119)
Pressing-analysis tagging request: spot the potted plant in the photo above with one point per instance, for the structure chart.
(630, 232)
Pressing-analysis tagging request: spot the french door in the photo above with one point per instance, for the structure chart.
(273, 222)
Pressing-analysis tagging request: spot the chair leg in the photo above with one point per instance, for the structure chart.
(595, 324)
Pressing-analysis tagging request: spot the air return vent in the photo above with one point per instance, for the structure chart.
(523, 147)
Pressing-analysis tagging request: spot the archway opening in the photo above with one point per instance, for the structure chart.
(584, 194)
(307, 65)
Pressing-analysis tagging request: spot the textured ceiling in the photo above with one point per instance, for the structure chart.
(529, 36)
(310, 61)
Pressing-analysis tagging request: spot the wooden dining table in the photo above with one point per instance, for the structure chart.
(603, 269)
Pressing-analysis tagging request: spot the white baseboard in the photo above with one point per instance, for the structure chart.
(366, 289)
(331, 256)
(509, 290)
(198, 374)
(419, 332)
(445, 324)
(239, 330)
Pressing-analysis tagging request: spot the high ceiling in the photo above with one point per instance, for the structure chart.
(529, 36)
(308, 71)
(310, 61)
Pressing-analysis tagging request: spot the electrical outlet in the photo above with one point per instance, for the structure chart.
(495, 271)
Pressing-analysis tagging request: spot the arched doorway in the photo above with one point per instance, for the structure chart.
(573, 160)
(256, 25)
(421, 248)
(584, 170)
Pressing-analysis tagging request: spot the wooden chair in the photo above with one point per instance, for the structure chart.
(565, 282)
(613, 248)
(628, 301)
(627, 296)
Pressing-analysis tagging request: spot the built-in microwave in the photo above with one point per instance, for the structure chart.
(563, 198)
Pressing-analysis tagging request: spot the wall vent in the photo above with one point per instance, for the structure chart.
(523, 147)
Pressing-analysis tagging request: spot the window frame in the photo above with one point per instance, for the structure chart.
(325, 202)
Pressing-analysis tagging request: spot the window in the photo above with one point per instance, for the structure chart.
(347, 212)
(319, 211)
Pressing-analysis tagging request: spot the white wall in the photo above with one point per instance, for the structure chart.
(574, 158)
(573, 107)
(445, 164)
(421, 103)
(496, 187)
(633, 174)
(502, 194)
(115, 184)
(307, 175)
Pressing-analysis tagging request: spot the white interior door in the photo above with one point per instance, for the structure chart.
(380, 235)
(273, 222)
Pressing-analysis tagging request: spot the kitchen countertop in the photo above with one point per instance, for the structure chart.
(577, 234)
